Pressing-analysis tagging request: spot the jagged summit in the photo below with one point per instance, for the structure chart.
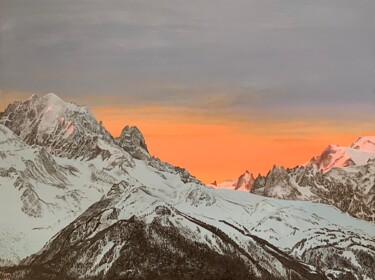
(351, 189)
(339, 176)
(244, 182)
(132, 140)
(65, 129)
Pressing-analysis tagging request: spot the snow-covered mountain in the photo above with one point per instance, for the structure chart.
(243, 183)
(42, 187)
(197, 226)
(149, 219)
(350, 189)
(359, 152)
(341, 176)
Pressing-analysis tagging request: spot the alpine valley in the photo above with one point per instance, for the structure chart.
(78, 203)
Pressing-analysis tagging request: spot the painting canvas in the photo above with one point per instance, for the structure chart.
(184, 139)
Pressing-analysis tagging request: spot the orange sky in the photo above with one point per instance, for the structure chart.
(221, 146)
(220, 149)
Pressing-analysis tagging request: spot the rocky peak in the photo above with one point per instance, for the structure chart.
(275, 184)
(132, 141)
(246, 180)
(260, 182)
(65, 129)
(277, 174)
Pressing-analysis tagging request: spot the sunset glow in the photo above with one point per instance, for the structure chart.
(187, 140)
(220, 146)
(217, 88)
(221, 149)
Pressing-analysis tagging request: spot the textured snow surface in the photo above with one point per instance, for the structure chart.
(35, 203)
(293, 226)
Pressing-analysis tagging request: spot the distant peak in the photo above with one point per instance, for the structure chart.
(248, 174)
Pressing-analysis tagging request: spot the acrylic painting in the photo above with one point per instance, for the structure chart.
(189, 140)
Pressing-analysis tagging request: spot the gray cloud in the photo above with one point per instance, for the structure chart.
(237, 56)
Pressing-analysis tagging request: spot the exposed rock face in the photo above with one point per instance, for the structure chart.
(67, 130)
(350, 189)
(131, 139)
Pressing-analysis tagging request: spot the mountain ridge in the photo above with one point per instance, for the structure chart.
(341, 176)
(112, 196)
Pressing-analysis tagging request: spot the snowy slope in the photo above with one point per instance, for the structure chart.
(39, 195)
(201, 213)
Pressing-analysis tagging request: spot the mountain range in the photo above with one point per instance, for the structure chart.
(340, 176)
(77, 202)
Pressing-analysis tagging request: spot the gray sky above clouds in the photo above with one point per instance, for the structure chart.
(296, 57)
